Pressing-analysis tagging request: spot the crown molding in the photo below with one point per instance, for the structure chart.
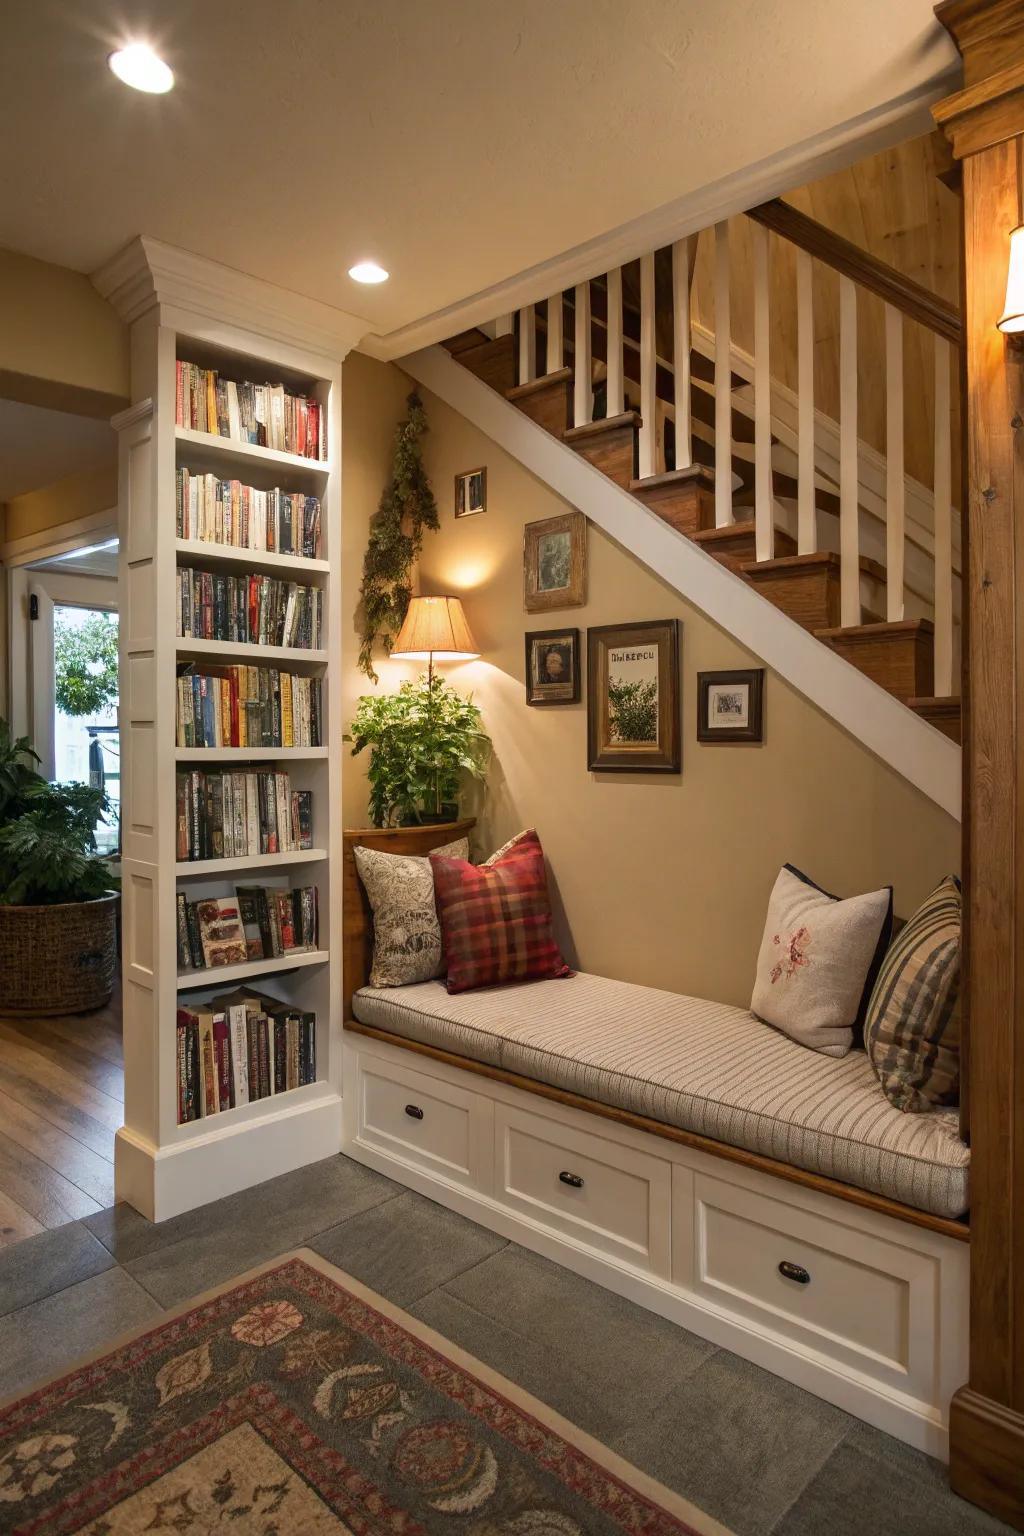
(832, 150)
(149, 275)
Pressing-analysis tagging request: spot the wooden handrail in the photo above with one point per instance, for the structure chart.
(845, 257)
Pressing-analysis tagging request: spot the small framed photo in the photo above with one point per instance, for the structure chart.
(553, 666)
(633, 698)
(555, 563)
(730, 705)
(471, 492)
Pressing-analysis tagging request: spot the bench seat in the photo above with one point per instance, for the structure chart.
(700, 1066)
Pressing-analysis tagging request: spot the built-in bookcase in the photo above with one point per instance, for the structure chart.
(164, 1167)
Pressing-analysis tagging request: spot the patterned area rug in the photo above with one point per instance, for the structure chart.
(295, 1400)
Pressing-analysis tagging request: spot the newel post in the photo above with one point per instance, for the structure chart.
(984, 122)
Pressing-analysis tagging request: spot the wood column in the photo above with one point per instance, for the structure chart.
(983, 123)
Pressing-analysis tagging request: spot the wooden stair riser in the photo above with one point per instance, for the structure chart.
(898, 657)
(735, 547)
(944, 714)
(611, 446)
(808, 593)
(687, 506)
(492, 361)
(547, 401)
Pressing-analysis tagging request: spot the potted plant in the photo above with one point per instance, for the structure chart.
(423, 740)
(58, 913)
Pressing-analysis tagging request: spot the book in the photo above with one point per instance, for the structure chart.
(265, 414)
(248, 610)
(225, 813)
(246, 706)
(220, 931)
(240, 1047)
(209, 510)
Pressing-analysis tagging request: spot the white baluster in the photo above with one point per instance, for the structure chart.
(648, 371)
(849, 478)
(503, 326)
(555, 346)
(527, 345)
(895, 520)
(583, 386)
(683, 256)
(723, 381)
(616, 383)
(807, 514)
(764, 510)
(943, 528)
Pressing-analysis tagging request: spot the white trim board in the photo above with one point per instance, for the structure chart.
(902, 118)
(898, 737)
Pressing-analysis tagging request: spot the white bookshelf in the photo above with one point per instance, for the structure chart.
(181, 307)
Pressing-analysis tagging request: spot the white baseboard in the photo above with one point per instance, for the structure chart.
(162, 1182)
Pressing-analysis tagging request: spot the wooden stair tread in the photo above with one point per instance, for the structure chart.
(539, 384)
(867, 632)
(821, 557)
(939, 704)
(604, 424)
(466, 341)
(674, 477)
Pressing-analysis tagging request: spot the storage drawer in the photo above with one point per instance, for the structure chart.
(863, 1301)
(590, 1188)
(423, 1120)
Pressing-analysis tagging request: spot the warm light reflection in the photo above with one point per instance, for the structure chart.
(465, 574)
(1012, 318)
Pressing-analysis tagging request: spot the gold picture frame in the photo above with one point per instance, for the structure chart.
(555, 563)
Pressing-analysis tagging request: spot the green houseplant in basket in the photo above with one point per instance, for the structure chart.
(58, 913)
(423, 741)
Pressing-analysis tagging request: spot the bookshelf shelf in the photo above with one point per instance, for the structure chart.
(198, 869)
(247, 755)
(204, 552)
(222, 974)
(230, 452)
(230, 650)
(319, 1093)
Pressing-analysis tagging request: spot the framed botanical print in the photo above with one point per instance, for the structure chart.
(553, 666)
(633, 698)
(471, 492)
(730, 705)
(555, 563)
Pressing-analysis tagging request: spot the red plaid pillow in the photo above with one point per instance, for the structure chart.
(496, 918)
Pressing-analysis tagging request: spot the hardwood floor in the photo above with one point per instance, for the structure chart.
(61, 1100)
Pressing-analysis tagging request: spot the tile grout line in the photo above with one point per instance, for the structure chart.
(819, 1469)
(459, 1273)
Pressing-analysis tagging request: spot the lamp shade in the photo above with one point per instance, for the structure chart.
(434, 629)
(1012, 317)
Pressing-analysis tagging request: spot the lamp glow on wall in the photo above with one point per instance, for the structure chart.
(434, 629)
(1011, 321)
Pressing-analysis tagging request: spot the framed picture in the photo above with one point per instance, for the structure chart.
(555, 563)
(633, 698)
(471, 492)
(553, 666)
(730, 705)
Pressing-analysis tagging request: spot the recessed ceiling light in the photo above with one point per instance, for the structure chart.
(138, 66)
(367, 272)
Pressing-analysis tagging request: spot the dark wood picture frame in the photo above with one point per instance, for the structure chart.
(544, 694)
(462, 487)
(537, 597)
(663, 753)
(751, 678)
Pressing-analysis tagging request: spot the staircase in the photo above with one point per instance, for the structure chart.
(679, 419)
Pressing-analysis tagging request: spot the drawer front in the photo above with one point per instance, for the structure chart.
(604, 1195)
(863, 1301)
(421, 1119)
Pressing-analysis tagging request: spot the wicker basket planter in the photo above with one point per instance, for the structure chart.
(58, 959)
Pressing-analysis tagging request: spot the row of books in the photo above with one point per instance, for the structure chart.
(233, 815)
(248, 610)
(242, 706)
(265, 414)
(259, 922)
(227, 512)
(238, 1048)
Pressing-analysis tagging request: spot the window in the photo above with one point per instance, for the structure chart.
(85, 740)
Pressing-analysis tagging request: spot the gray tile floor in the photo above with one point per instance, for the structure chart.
(760, 1455)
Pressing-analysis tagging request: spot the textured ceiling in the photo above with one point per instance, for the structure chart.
(457, 141)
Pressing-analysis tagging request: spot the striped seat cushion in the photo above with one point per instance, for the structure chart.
(704, 1067)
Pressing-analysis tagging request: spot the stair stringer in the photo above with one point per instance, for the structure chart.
(901, 739)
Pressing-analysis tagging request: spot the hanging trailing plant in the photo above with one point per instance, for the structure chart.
(407, 507)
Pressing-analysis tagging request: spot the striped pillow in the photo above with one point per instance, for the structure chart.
(912, 1028)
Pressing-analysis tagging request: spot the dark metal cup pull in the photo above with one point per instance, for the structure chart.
(795, 1272)
(414, 1112)
(572, 1179)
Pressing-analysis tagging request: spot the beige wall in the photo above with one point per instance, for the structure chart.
(79, 495)
(661, 880)
(61, 345)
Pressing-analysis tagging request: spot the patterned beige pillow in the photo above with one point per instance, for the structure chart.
(406, 932)
(818, 960)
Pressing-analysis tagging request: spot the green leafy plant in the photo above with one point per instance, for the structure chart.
(85, 663)
(423, 740)
(407, 508)
(47, 840)
(633, 710)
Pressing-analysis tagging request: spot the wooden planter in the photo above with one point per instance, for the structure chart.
(58, 959)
